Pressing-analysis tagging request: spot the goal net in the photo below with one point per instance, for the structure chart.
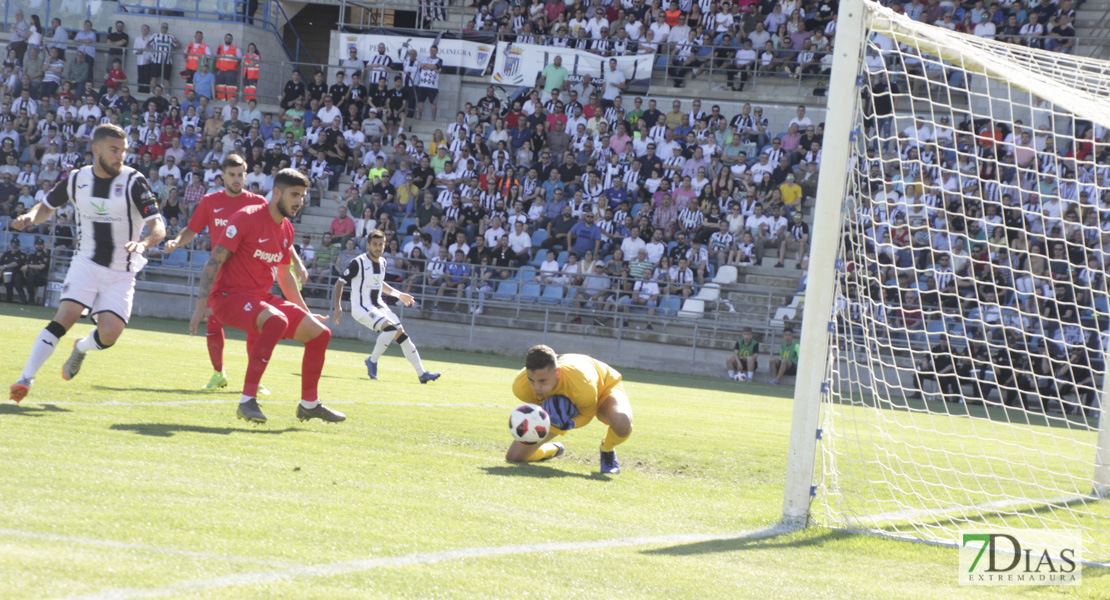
(968, 325)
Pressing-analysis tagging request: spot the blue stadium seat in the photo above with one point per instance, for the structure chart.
(538, 259)
(526, 274)
(405, 241)
(538, 237)
(406, 223)
(1102, 305)
(552, 294)
(672, 305)
(562, 259)
(671, 245)
(529, 292)
(506, 290)
(178, 259)
(3, 240)
(198, 258)
(27, 240)
(636, 208)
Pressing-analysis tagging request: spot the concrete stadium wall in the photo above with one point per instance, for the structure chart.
(175, 301)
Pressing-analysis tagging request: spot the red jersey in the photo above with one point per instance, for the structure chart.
(215, 210)
(258, 246)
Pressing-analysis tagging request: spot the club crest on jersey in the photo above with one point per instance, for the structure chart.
(230, 232)
(117, 189)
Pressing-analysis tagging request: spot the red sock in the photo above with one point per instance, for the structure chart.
(215, 339)
(313, 364)
(251, 339)
(259, 354)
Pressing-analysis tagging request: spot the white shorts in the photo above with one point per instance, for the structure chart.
(99, 289)
(377, 318)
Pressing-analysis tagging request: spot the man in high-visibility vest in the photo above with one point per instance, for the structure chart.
(227, 69)
(251, 64)
(194, 53)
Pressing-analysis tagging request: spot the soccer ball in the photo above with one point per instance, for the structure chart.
(529, 423)
(741, 377)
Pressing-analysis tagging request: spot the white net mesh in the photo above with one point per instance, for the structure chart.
(967, 357)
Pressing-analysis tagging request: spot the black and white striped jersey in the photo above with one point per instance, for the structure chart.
(365, 276)
(110, 212)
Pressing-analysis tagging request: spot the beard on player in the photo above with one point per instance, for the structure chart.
(291, 202)
(111, 168)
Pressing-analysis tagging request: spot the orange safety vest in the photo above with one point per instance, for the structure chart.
(194, 53)
(226, 59)
(250, 66)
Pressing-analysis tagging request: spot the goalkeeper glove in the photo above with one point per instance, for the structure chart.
(562, 412)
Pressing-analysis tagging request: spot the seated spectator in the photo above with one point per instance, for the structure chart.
(786, 362)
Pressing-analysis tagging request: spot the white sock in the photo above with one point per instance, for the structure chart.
(43, 347)
(384, 339)
(751, 375)
(245, 398)
(731, 374)
(413, 355)
(88, 344)
(310, 403)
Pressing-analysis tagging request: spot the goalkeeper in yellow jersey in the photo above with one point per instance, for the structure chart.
(573, 389)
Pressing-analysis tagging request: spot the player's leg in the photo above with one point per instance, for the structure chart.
(775, 363)
(413, 355)
(115, 293)
(753, 366)
(214, 337)
(45, 344)
(315, 336)
(521, 452)
(616, 412)
(732, 363)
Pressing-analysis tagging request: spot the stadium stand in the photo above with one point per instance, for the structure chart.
(595, 181)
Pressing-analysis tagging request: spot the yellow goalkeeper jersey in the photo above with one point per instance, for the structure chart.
(585, 380)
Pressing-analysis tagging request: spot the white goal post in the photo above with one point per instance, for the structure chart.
(954, 337)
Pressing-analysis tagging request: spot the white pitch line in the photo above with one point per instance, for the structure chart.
(230, 401)
(145, 547)
(421, 558)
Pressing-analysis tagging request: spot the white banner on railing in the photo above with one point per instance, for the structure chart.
(467, 58)
(520, 64)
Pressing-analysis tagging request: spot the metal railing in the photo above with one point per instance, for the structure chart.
(269, 16)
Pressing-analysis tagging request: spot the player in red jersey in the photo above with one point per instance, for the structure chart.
(214, 212)
(257, 248)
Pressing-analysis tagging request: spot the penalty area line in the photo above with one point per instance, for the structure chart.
(143, 547)
(420, 558)
(232, 401)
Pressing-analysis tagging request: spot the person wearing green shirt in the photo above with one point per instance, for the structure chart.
(554, 76)
(637, 112)
(786, 363)
(441, 158)
(744, 360)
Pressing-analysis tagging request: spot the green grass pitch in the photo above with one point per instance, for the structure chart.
(128, 482)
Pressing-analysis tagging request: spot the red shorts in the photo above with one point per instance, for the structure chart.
(241, 311)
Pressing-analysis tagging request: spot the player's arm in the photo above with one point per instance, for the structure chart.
(146, 202)
(207, 278)
(290, 290)
(42, 210)
(405, 299)
(185, 236)
(337, 293)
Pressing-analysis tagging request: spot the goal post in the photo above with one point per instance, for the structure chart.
(827, 213)
(953, 359)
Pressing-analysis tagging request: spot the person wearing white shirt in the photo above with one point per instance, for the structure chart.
(494, 232)
(329, 112)
(802, 121)
(615, 83)
(632, 244)
(596, 23)
(520, 242)
(550, 271)
(656, 248)
(680, 32)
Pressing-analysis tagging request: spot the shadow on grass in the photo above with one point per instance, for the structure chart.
(170, 430)
(24, 410)
(540, 472)
(771, 537)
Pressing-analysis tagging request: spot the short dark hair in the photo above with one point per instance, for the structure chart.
(107, 130)
(286, 178)
(376, 235)
(540, 357)
(233, 160)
